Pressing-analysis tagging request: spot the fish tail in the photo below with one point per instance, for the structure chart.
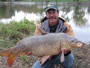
(11, 56)
(11, 59)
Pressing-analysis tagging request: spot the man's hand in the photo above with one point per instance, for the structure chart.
(44, 33)
(66, 51)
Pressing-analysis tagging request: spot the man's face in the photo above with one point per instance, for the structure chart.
(52, 16)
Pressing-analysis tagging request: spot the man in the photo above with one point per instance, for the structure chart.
(52, 23)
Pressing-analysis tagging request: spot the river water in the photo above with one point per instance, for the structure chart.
(76, 14)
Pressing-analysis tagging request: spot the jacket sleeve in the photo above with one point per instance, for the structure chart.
(69, 30)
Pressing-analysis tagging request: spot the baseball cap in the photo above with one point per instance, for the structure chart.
(51, 6)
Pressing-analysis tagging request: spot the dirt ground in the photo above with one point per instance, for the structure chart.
(82, 59)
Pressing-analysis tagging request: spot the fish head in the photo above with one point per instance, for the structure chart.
(75, 43)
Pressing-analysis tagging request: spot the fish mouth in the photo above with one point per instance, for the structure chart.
(79, 45)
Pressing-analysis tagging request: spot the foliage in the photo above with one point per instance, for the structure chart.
(14, 31)
(24, 58)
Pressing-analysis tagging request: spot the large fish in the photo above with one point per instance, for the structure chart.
(41, 45)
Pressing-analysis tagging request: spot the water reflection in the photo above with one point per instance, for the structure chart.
(6, 11)
(77, 16)
(20, 15)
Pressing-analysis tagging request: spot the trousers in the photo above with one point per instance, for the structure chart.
(69, 60)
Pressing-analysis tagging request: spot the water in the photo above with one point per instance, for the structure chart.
(77, 15)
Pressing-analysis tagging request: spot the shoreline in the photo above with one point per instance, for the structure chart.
(44, 3)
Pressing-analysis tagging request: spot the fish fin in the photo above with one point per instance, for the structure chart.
(62, 56)
(11, 59)
(43, 59)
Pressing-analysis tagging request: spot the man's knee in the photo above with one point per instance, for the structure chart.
(45, 65)
(36, 65)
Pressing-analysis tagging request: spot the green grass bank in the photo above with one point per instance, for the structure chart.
(11, 33)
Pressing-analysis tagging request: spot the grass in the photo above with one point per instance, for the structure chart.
(24, 58)
(11, 33)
